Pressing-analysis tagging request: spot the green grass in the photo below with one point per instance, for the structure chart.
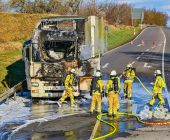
(120, 36)
(11, 69)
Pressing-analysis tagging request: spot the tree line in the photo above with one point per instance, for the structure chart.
(115, 12)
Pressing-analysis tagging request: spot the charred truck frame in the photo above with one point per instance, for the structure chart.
(59, 44)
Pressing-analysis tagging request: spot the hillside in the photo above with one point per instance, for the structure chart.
(16, 28)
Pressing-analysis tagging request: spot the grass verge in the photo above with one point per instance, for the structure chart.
(11, 69)
(119, 36)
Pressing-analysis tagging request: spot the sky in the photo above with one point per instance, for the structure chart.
(160, 5)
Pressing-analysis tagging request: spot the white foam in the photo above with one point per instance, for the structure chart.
(15, 112)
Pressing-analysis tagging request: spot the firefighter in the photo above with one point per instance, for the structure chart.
(128, 76)
(157, 88)
(96, 91)
(113, 88)
(68, 83)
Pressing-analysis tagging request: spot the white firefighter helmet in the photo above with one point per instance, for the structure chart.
(98, 74)
(129, 65)
(113, 73)
(72, 70)
(157, 72)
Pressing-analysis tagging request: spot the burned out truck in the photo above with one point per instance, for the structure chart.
(59, 44)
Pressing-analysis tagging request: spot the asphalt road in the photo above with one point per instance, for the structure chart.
(145, 58)
(137, 54)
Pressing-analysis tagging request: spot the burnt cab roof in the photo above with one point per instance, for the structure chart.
(60, 18)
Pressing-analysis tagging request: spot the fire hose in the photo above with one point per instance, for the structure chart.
(127, 114)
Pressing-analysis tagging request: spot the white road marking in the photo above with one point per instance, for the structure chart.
(95, 128)
(138, 57)
(106, 65)
(147, 50)
(139, 45)
(142, 53)
(163, 73)
(145, 65)
(153, 47)
(159, 44)
(132, 62)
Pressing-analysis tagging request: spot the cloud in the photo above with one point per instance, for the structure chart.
(166, 7)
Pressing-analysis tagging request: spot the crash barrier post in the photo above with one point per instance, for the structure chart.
(12, 91)
(15, 98)
(22, 91)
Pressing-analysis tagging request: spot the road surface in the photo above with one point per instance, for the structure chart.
(48, 122)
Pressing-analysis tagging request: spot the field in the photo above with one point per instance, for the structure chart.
(16, 28)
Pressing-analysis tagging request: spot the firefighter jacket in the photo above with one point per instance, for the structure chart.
(110, 84)
(69, 81)
(129, 75)
(158, 85)
(99, 88)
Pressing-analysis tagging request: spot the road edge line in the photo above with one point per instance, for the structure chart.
(163, 73)
(95, 129)
(126, 43)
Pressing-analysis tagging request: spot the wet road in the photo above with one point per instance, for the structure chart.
(145, 58)
(44, 120)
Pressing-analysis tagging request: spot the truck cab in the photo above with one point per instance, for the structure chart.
(59, 44)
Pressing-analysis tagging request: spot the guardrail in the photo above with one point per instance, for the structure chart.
(12, 91)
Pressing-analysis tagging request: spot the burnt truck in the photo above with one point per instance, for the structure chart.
(59, 44)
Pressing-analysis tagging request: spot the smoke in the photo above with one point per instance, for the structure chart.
(102, 45)
(85, 52)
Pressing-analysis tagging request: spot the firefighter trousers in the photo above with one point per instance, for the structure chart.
(99, 101)
(68, 92)
(113, 99)
(155, 96)
(128, 87)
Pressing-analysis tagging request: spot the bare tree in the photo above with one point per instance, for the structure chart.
(89, 8)
(57, 7)
(74, 5)
(103, 7)
(118, 12)
(1, 6)
(19, 5)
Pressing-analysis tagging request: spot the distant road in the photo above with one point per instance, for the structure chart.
(145, 58)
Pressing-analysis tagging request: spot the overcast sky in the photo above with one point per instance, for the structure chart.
(160, 5)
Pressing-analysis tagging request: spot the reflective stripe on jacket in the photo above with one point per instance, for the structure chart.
(158, 85)
(129, 73)
(69, 81)
(110, 84)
